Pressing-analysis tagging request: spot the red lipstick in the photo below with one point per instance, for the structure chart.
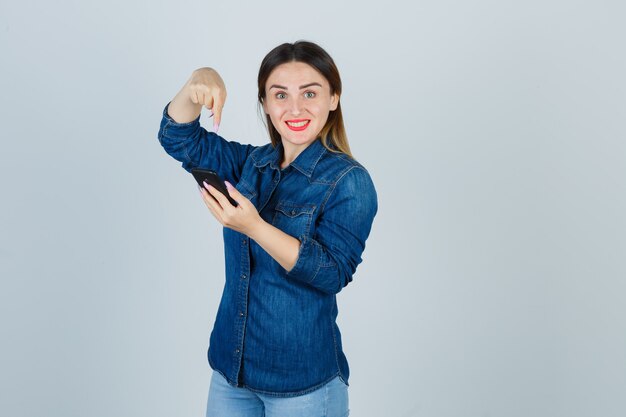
(297, 128)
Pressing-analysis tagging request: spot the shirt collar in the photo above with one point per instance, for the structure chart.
(272, 157)
(305, 162)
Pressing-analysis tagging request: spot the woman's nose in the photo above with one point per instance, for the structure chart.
(295, 106)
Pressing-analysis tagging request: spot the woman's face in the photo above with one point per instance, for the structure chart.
(298, 100)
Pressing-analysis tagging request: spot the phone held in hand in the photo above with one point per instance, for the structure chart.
(211, 178)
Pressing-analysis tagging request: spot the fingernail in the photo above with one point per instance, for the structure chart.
(205, 184)
(228, 185)
(215, 127)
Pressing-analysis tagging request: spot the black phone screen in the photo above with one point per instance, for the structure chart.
(212, 178)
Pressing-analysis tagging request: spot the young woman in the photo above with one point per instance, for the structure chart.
(305, 209)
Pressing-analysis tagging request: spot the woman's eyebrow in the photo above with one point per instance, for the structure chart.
(301, 87)
(310, 85)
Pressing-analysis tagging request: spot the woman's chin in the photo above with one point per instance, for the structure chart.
(296, 141)
(297, 138)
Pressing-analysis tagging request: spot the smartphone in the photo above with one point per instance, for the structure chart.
(213, 179)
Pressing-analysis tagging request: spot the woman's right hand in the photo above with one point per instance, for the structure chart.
(205, 88)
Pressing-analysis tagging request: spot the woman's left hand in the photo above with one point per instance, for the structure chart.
(243, 218)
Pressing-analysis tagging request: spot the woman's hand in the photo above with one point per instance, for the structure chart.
(244, 218)
(205, 88)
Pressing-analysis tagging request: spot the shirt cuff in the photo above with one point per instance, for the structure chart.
(309, 261)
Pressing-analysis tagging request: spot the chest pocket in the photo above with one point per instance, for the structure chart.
(293, 218)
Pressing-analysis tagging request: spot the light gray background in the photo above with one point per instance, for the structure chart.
(493, 280)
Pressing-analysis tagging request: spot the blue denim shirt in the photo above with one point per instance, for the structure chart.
(275, 330)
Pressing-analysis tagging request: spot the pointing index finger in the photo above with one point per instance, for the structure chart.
(217, 113)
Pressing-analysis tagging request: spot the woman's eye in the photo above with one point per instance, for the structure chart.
(309, 94)
(281, 95)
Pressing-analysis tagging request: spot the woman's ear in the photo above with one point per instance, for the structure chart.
(334, 102)
(265, 107)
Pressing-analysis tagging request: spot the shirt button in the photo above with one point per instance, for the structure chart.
(236, 350)
(244, 242)
(240, 314)
(293, 212)
(243, 276)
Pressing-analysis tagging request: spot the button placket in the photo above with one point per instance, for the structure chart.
(240, 316)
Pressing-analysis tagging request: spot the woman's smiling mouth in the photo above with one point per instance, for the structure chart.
(297, 125)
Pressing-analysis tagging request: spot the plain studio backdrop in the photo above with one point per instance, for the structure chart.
(493, 283)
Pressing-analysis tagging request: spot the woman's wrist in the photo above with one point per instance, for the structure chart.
(256, 229)
(182, 109)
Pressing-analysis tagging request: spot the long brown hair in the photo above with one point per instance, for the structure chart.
(333, 134)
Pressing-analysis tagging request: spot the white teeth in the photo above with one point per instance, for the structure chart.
(299, 124)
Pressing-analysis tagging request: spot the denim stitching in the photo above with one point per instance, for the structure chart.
(319, 260)
(332, 331)
(293, 393)
(334, 186)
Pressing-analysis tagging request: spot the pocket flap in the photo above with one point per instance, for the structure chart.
(294, 209)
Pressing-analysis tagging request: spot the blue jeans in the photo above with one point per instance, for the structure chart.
(330, 400)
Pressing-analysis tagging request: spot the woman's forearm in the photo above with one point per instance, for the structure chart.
(182, 109)
(278, 244)
(205, 87)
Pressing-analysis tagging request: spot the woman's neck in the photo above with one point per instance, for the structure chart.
(291, 152)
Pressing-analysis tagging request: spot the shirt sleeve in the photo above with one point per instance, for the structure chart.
(194, 146)
(328, 259)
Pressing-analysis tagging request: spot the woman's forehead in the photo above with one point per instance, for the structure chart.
(295, 73)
